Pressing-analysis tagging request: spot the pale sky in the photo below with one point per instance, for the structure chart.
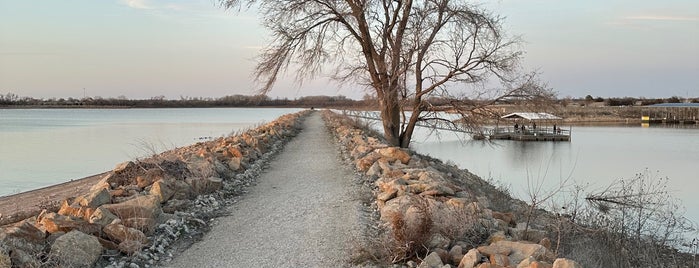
(146, 48)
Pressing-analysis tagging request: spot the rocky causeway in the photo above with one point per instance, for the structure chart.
(310, 189)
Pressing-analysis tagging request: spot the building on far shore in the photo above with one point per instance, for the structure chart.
(671, 113)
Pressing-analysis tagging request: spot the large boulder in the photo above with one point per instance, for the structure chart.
(235, 163)
(103, 183)
(145, 225)
(151, 176)
(130, 246)
(364, 163)
(145, 206)
(26, 242)
(205, 185)
(431, 261)
(54, 222)
(183, 190)
(76, 249)
(94, 199)
(74, 209)
(120, 233)
(395, 153)
(102, 217)
(470, 259)
(565, 263)
(163, 189)
(520, 250)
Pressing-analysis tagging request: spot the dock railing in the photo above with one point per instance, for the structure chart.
(539, 131)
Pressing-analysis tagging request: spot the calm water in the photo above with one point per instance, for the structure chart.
(595, 157)
(40, 147)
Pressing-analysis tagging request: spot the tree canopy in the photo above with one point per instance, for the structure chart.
(404, 51)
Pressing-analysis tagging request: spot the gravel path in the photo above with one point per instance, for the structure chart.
(304, 212)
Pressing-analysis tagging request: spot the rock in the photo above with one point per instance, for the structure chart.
(5, 261)
(394, 153)
(53, 222)
(387, 195)
(146, 206)
(75, 210)
(163, 189)
(205, 185)
(123, 167)
(102, 217)
(493, 250)
(474, 208)
(176, 205)
(532, 263)
(443, 255)
(531, 234)
(520, 250)
(234, 152)
(526, 263)
(374, 170)
(360, 151)
(183, 190)
(26, 242)
(431, 261)
(470, 259)
(235, 163)
(497, 236)
(438, 240)
(499, 259)
(364, 163)
(509, 218)
(94, 199)
(223, 170)
(120, 233)
(456, 254)
(151, 176)
(145, 225)
(76, 249)
(103, 183)
(130, 246)
(23, 258)
(108, 244)
(565, 263)
(457, 202)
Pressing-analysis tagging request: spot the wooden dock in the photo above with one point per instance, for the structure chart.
(543, 134)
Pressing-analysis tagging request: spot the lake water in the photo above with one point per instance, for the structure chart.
(41, 147)
(594, 157)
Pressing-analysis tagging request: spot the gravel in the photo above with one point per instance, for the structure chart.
(304, 212)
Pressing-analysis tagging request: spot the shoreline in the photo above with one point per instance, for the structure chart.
(48, 197)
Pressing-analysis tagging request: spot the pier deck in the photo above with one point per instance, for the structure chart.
(545, 134)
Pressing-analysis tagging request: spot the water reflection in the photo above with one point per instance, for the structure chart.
(595, 156)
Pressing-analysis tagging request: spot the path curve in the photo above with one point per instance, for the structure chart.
(304, 212)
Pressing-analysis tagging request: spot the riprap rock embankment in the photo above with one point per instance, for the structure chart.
(136, 212)
(448, 215)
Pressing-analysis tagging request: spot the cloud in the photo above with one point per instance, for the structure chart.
(137, 4)
(660, 18)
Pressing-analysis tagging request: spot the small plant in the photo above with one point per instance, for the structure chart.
(631, 223)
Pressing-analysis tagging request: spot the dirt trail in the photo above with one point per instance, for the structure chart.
(304, 212)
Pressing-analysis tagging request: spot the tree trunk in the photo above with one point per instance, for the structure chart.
(390, 117)
(407, 134)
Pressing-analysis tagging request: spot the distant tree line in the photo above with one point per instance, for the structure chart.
(626, 101)
(11, 99)
(368, 101)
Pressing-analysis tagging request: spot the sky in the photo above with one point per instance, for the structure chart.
(194, 48)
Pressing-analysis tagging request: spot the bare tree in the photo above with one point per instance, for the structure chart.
(405, 51)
